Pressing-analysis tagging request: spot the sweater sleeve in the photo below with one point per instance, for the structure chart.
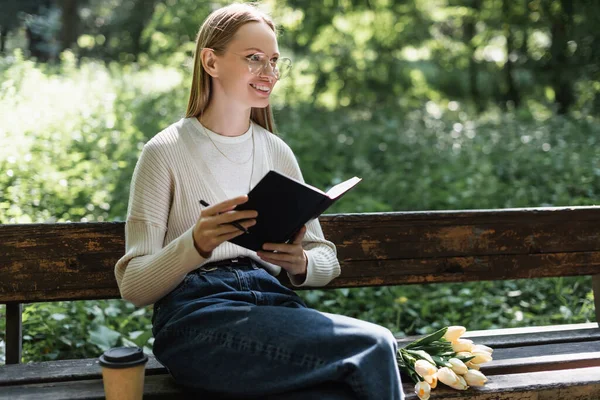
(148, 271)
(323, 265)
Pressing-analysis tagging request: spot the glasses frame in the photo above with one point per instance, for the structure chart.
(263, 65)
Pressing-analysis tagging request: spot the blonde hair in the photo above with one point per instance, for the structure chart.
(216, 32)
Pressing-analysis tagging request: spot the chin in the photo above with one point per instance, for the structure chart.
(260, 103)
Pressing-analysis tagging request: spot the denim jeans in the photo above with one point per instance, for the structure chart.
(235, 332)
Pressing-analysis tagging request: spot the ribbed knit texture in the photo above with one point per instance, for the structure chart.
(169, 179)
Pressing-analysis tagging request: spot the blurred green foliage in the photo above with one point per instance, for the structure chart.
(414, 97)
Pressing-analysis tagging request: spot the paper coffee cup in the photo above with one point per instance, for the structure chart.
(123, 373)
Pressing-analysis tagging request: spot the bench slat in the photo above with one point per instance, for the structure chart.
(62, 370)
(544, 358)
(506, 361)
(70, 261)
(155, 387)
(582, 384)
(535, 335)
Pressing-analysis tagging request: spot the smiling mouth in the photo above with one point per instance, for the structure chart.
(261, 88)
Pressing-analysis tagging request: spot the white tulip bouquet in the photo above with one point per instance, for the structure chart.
(443, 356)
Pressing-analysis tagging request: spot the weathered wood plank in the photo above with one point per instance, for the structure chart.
(155, 387)
(52, 286)
(546, 357)
(579, 384)
(464, 269)
(75, 260)
(576, 384)
(62, 370)
(511, 360)
(526, 336)
(536, 335)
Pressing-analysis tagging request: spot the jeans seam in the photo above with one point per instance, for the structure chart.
(254, 347)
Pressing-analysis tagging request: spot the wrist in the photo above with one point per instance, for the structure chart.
(302, 274)
(202, 253)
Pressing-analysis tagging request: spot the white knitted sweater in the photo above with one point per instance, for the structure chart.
(169, 179)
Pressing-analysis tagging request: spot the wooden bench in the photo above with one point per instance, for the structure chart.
(74, 261)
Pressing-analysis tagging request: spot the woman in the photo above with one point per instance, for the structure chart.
(223, 324)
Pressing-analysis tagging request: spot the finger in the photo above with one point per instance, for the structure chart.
(236, 216)
(300, 235)
(287, 265)
(226, 229)
(285, 257)
(224, 206)
(281, 247)
(231, 235)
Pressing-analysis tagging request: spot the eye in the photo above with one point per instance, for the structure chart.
(255, 57)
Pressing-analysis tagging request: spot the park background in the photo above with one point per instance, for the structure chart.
(436, 104)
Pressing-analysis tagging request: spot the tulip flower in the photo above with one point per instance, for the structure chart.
(472, 365)
(458, 366)
(423, 390)
(432, 380)
(459, 361)
(425, 368)
(481, 357)
(449, 377)
(454, 333)
(482, 347)
(462, 345)
(475, 378)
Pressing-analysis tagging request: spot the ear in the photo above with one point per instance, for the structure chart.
(209, 62)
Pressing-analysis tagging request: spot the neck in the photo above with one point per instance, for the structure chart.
(225, 119)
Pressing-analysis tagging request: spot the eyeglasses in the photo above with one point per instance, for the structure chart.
(257, 64)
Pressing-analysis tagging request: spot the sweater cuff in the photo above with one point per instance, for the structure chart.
(317, 275)
(190, 255)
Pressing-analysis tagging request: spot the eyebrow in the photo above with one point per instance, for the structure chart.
(256, 48)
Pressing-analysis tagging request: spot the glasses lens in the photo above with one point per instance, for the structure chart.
(281, 68)
(284, 66)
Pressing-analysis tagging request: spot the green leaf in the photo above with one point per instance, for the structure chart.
(104, 337)
(58, 316)
(440, 362)
(465, 359)
(422, 354)
(428, 339)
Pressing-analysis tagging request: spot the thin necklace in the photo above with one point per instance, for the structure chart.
(223, 154)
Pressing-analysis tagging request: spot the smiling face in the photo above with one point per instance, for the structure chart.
(235, 77)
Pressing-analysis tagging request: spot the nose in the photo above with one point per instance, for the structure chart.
(271, 69)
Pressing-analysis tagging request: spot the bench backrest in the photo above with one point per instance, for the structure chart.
(74, 261)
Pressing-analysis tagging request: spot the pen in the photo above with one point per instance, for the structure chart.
(234, 223)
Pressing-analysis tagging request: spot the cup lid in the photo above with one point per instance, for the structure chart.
(123, 357)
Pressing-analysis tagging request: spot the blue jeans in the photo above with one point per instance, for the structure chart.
(234, 331)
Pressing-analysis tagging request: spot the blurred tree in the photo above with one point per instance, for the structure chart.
(511, 93)
(70, 22)
(360, 53)
(469, 34)
(14, 13)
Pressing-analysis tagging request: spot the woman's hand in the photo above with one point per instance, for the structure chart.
(213, 227)
(289, 256)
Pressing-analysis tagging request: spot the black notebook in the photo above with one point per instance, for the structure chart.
(284, 205)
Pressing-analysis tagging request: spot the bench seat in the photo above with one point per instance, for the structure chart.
(528, 362)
